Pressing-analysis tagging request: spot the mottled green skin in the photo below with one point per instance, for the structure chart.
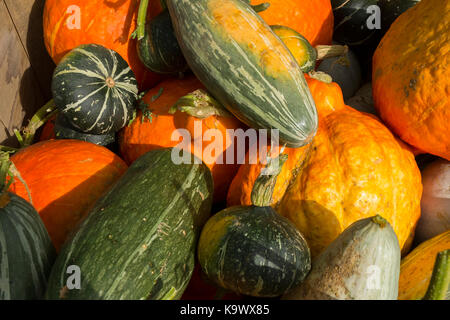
(26, 251)
(235, 75)
(95, 88)
(63, 130)
(159, 50)
(255, 252)
(139, 240)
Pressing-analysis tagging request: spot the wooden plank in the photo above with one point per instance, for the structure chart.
(19, 92)
(27, 18)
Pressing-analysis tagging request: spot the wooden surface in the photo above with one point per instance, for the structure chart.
(25, 67)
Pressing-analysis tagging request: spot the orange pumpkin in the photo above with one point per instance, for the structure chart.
(65, 177)
(416, 268)
(353, 169)
(313, 19)
(411, 77)
(68, 24)
(144, 135)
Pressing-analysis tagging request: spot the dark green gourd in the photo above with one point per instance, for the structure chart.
(252, 250)
(95, 89)
(139, 240)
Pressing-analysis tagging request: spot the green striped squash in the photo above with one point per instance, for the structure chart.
(139, 240)
(240, 60)
(26, 251)
(95, 89)
(253, 251)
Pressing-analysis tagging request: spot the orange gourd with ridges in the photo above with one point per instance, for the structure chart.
(355, 168)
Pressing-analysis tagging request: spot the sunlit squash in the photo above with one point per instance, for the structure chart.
(65, 177)
(411, 78)
(353, 169)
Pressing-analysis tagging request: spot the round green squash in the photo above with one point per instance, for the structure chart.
(26, 251)
(95, 89)
(253, 251)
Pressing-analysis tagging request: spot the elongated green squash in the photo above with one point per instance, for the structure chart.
(245, 66)
(139, 240)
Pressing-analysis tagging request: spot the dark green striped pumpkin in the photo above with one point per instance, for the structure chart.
(253, 251)
(26, 251)
(139, 241)
(95, 89)
(241, 61)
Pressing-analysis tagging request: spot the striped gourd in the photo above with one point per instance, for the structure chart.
(245, 66)
(139, 241)
(95, 88)
(26, 251)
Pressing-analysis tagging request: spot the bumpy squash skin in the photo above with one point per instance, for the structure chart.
(253, 251)
(311, 18)
(159, 49)
(363, 263)
(356, 167)
(107, 23)
(65, 178)
(26, 251)
(245, 66)
(411, 77)
(144, 135)
(139, 240)
(95, 89)
(416, 268)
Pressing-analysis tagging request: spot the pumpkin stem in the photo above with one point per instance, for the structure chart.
(199, 104)
(265, 183)
(438, 288)
(139, 33)
(379, 220)
(324, 52)
(44, 114)
(5, 164)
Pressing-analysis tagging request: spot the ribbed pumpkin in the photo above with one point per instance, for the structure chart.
(312, 18)
(144, 135)
(68, 24)
(65, 177)
(416, 268)
(411, 78)
(354, 168)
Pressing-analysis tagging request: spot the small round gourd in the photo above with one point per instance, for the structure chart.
(95, 89)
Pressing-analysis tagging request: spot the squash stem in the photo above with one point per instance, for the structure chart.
(325, 52)
(265, 183)
(199, 104)
(38, 120)
(440, 278)
(139, 33)
(4, 170)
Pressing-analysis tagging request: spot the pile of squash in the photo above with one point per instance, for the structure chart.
(354, 202)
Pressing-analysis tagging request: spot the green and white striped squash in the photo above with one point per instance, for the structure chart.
(26, 251)
(139, 241)
(95, 89)
(246, 67)
(363, 263)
